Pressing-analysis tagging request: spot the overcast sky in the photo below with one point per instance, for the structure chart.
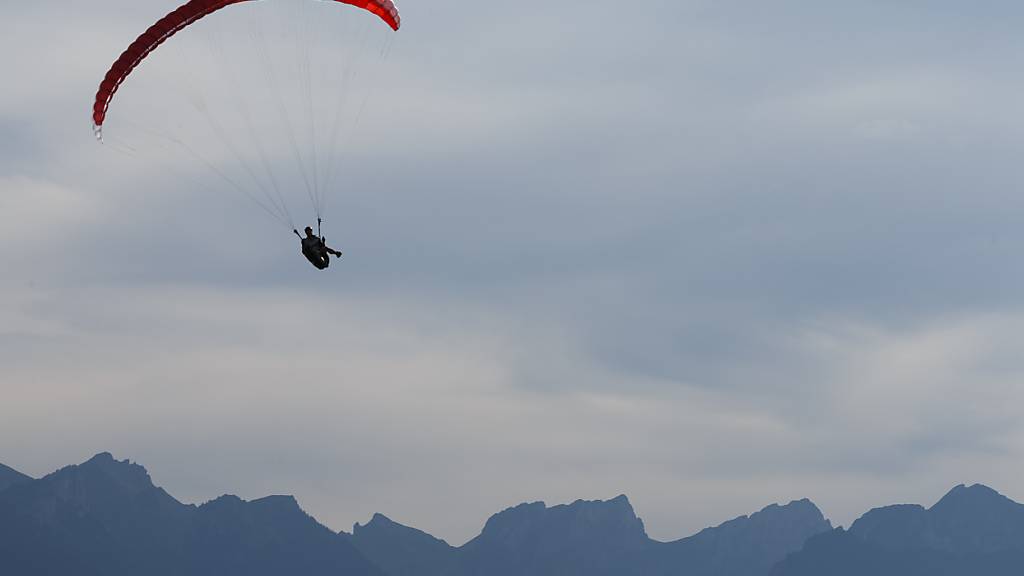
(710, 254)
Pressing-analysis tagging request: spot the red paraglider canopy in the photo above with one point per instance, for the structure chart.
(181, 18)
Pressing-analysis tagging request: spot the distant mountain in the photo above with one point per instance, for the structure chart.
(585, 537)
(106, 517)
(402, 551)
(971, 531)
(592, 538)
(747, 545)
(271, 536)
(10, 477)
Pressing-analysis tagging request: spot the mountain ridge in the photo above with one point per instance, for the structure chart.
(970, 530)
(589, 537)
(107, 517)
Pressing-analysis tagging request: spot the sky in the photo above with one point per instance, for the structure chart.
(709, 254)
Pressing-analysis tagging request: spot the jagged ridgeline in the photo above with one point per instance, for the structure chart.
(593, 538)
(105, 517)
(972, 531)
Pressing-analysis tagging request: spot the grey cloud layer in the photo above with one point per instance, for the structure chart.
(707, 254)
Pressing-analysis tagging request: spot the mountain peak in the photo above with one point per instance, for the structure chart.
(618, 507)
(276, 506)
(750, 544)
(278, 501)
(796, 507)
(401, 550)
(105, 517)
(101, 458)
(974, 495)
(791, 523)
(281, 508)
(798, 513)
(620, 503)
(971, 530)
(377, 522)
(968, 519)
(583, 520)
(380, 518)
(977, 506)
(380, 526)
(128, 475)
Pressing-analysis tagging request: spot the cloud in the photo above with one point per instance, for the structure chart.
(669, 252)
(362, 405)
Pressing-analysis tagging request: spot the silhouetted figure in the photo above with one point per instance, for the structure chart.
(315, 249)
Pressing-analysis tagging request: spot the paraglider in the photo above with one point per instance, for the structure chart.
(314, 158)
(315, 249)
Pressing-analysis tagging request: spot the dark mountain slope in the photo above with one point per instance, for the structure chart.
(100, 512)
(592, 538)
(10, 476)
(973, 530)
(402, 551)
(270, 536)
(106, 517)
(748, 545)
(586, 538)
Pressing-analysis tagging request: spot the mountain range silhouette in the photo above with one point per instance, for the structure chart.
(106, 517)
(970, 531)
